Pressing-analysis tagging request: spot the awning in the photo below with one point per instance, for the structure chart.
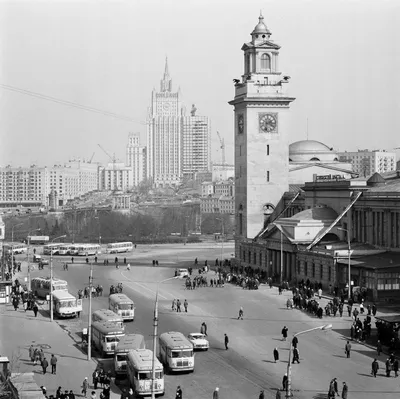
(321, 235)
(389, 319)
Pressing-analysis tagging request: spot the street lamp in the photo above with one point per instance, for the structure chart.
(155, 325)
(289, 366)
(29, 267)
(349, 250)
(51, 276)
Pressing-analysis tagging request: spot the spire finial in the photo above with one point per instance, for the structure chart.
(261, 17)
(166, 72)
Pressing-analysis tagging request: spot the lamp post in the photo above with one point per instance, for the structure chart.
(155, 325)
(289, 366)
(349, 253)
(51, 276)
(89, 333)
(12, 248)
(29, 266)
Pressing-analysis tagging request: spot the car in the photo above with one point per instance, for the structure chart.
(39, 259)
(199, 341)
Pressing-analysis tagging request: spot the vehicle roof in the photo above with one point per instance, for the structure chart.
(55, 280)
(197, 333)
(120, 297)
(107, 327)
(120, 242)
(175, 339)
(108, 313)
(130, 341)
(142, 359)
(61, 294)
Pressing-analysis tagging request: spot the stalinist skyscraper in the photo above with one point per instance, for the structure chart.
(164, 139)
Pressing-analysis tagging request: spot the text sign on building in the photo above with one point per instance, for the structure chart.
(328, 178)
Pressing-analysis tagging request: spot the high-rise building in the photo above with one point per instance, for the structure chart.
(196, 144)
(261, 108)
(136, 158)
(366, 162)
(115, 176)
(164, 139)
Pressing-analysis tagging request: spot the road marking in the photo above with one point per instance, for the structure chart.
(144, 287)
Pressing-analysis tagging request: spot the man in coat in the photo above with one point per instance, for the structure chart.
(284, 333)
(295, 341)
(276, 354)
(226, 340)
(296, 356)
(44, 363)
(345, 389)
(216, 393)
(178, 394)
(374, 368)
(53, 362)
(347, 349)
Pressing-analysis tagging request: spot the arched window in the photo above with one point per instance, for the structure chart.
(315, 159)
(265, 61)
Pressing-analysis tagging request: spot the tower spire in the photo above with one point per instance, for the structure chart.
(166, 72)
(166, 83)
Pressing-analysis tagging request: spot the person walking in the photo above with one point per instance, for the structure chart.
(345, 390)
(261, 396)
(284, 382)
(374, 368)
(85, 386)
(95, 378)
(284, 333)
(396, 367)
(295, 341)
(173, 304)
(379, 347)
(32, 353)
(178, 305)
(374, 309)
(216, 393)
(203, 328)
(53, 362)
(276, 355)
(240, 313)
(296, 356)
(44, 363)
(185, 305)
(388, 367)
(178, 394)
(226, 340)
(347, 349)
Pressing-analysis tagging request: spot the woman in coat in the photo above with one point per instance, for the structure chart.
(276, 354)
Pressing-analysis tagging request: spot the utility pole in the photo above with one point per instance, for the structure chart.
(90, 314)
(155, 325)
(51, 276)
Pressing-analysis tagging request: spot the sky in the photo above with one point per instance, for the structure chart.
(343, 57)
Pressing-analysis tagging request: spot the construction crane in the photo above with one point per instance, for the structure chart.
(91, 158)
(113, 160)
(222, 142)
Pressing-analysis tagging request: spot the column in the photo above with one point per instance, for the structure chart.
(394, 231)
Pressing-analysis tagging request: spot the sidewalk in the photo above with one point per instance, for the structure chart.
(18, 330)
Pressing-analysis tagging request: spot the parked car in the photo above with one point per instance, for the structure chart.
(199, 341)
(39, 259)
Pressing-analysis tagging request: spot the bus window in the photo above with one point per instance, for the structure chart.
(145, 376)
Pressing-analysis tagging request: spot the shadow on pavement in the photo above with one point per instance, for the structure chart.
(320, 396)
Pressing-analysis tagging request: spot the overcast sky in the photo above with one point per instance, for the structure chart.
(343, 58)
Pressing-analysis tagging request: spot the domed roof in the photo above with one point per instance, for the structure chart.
(261, 28)
(311, 150)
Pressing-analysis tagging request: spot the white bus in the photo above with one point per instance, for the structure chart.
(126, 344)
(15, 248)
(40, 240)
(65, 304)
(108, 315)
(65, 249)
(122, 305)
(88, 249)
(116, 247)
(51, 247)
(139, 365)
(176, 352)
(105, 336)
(40, 286)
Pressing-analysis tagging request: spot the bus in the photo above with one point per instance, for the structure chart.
(116, 247)
(176, 352)
(15, 248)
(40, 286)
(47, 249)
(88, 249)
(105, 336)
(65, 304)
(140, 366)
(39, 240)
(126, 344)
(108, 315)
(122, 305)
(65, 249)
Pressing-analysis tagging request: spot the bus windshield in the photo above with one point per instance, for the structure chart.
(68, 304)
(121, 357)
(114, 338)
(125, 306)
(148, 375)
(184, 353)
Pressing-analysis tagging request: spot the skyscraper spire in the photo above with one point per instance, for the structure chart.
(166, 83)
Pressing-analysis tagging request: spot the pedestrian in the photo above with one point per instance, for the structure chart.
(53, 362)
(319, 293)
(295, 341)
(71, 394)
(203, 329)
(216, 393)
(349, 310)
(333, 389)
(72, 260)
(185, 304)
(284, 382)
(296, 356)
(124, 261)
(276, 354)
(284, 333)
(173, 304)
(44, 363)
(379, 347)
(93, 395)
(44, 390)
(396, 367)
(178, 305)
(347, 349)
(85, 386)
(226, 340)
(240, 313)
(345, 389)
(178, 394)
(95, 378)
(32, 353)
(95, 259)
(374, 368)
(388, 367)
(278, 394)
(106, 391)
(261, 396)
(374, 309)
(58, 393)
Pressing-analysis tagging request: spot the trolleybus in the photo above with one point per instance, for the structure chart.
(116, 247)
(122, 305)
(105, 336)
(40, 286)
(176, 352)
(126, 344)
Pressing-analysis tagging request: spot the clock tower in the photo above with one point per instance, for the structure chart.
(261, 108)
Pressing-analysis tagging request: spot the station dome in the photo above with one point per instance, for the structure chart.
(261, 28)
(311, 151)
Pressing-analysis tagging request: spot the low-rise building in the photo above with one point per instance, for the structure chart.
(115, 176)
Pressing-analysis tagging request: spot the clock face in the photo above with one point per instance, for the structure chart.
(240, 123)
(268, 122)
(166, 106)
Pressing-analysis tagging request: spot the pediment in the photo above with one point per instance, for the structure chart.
(265, 44)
